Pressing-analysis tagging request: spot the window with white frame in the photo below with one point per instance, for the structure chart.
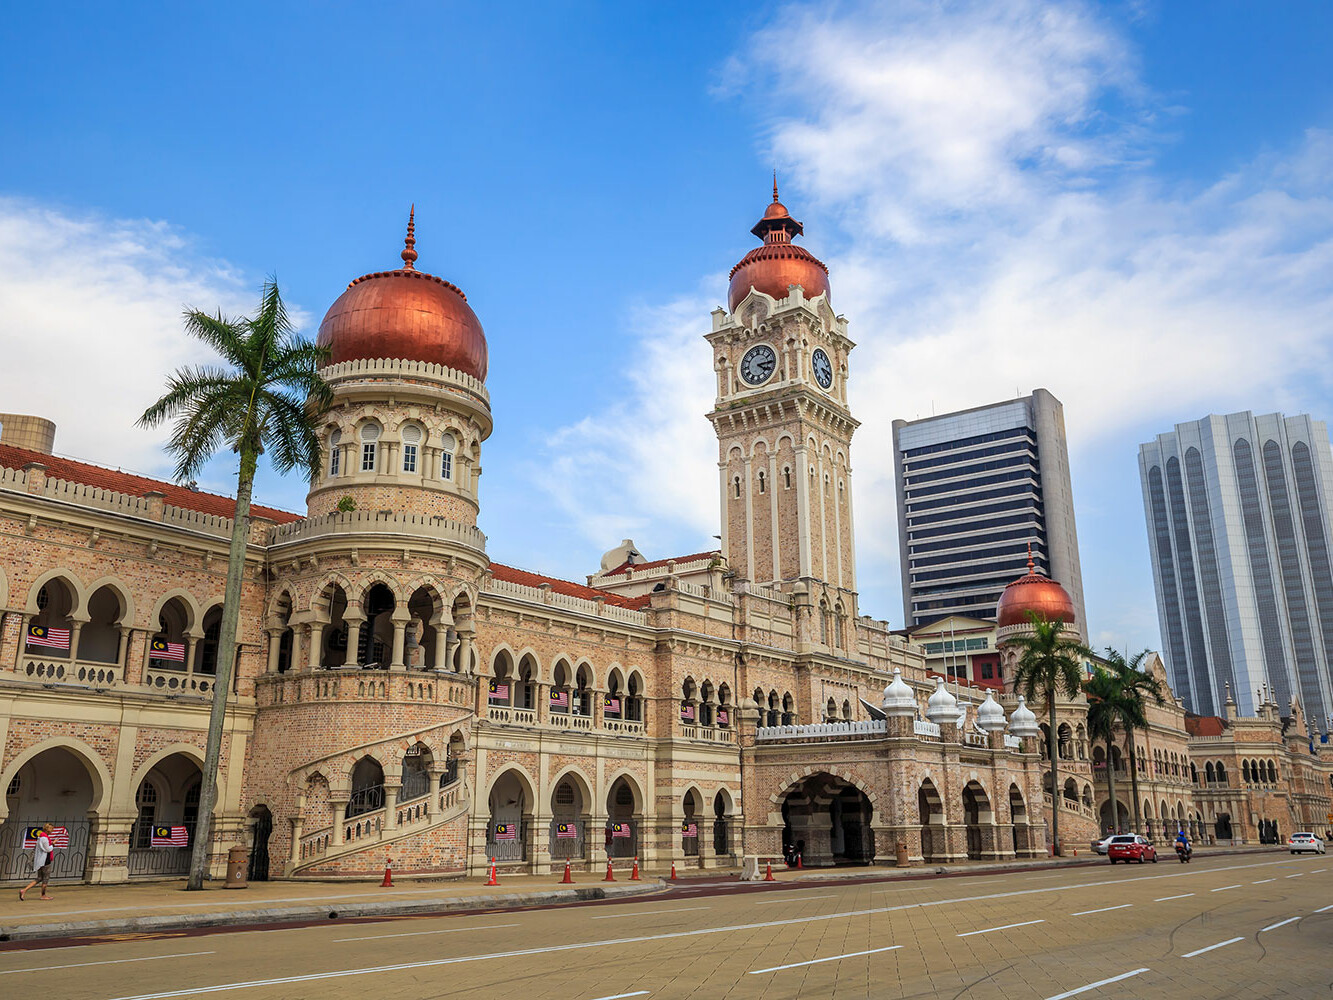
(335, 453)
(411, 435)
(786, 477)
(370, 435)
(447, 456)
(762, 483)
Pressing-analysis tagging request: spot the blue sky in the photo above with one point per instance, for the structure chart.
(1127, 203)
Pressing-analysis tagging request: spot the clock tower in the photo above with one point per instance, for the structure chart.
(783, 425)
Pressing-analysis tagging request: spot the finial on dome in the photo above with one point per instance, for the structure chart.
(409, 244)
(1032, 566)
(775, 184)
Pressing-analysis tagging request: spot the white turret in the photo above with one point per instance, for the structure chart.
(990, 716)
(1021, 721)
(942, 708)
(898, 697)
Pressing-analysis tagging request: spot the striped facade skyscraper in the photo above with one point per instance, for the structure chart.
(1239, 528)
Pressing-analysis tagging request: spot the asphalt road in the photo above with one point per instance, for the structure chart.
(1249, 926)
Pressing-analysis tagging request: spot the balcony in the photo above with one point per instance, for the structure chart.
(51, 670)
(872, 729)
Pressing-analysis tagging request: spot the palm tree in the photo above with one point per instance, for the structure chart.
(1136, 686)
(1051, 664)
(1105, 698)
(265, 396)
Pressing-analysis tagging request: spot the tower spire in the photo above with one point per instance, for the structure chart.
(775, 184)
(1032, 566)
(410, 242)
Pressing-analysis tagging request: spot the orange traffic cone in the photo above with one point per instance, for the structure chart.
(798, 862)
(673, 869)
(388, 874)
(634, 872)
(610, 875)
(493, 880)
(768, 873)
(568, 879)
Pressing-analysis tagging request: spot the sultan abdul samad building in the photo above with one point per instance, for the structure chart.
(399, 694)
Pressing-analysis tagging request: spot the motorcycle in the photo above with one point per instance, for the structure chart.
(1184, 853)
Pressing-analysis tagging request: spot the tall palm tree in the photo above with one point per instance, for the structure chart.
(1105, 698)
(265, 396)
(1137, 687)
(1051, 664)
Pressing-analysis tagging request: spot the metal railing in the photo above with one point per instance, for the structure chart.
(623, 847)
(365, 800)
(567, 848)
(67, 865)
(508, 850)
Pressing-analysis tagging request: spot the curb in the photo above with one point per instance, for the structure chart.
(300, 914)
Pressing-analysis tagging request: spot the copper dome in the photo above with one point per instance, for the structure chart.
(405, 314)
(1037, 594)
(779, 262)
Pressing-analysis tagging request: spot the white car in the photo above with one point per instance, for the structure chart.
(1299, 842)
(1100, 846)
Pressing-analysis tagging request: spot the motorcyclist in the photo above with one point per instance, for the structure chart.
(1182, 841)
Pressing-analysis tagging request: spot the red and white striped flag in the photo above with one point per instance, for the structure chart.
(163, 650)
(169, 836)
(44, 635)
(59, 837)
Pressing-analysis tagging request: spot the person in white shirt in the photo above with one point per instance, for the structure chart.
(41, 862)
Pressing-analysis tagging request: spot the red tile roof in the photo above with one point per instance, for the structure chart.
(1204, 725)
(511, 574)
(653, 564)
(135, 486)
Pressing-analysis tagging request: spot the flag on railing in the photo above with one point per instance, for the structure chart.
(620, 829)
(160, 649)
(506, 831)
(59, 837)
(687, 713)
(169, 836)
(566, 830)
(690, 830)
(559, 699)
(722, 717)
(613, 704)
(500, 691)
(44, 635)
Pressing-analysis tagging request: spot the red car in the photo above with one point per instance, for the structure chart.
(1129, 847)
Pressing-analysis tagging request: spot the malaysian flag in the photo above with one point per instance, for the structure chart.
(613, 704)
(506, 831)
(620, 829)
(500, 691)
(163, 650)
(566, 830)
(59, 837)
(559, 699)
(169, 836)
(690, 830)
(687, 712)
(722, 717)
(44, 635)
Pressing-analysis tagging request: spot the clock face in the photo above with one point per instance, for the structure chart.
(823, 368)
(758, 364)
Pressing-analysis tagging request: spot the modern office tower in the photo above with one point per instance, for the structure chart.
(975, 489)
(1238, 526)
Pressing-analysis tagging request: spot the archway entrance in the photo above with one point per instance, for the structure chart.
(507, 834)
(1018, 813)
(976, 812)
(721, 835)
(569, 821)
(260, 828)
(930, 814)
(622, 830)
(1108, 827)
(827, 821)
(56, 787)
(167, 800)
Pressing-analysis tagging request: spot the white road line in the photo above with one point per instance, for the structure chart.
(817, 961)
(1025, 923)
(640, 913)
(1183, 895)
(1324, 909)
(622, 996)
(1318, 870)
(1104, 909)
(118, 961)
(1093, 986)
(447, 930)
(1297, 875)
(795, 899)
(1223, 888)
(1213, 947)
(1263, 880)
(1280, 923)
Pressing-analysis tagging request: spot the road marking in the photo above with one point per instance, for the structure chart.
(622, 996)
(118, 961)
(1297, 875)
(1213, 947)
(449, 930)
(1223, 888)
(1025, 923)
(1093, 986)
(638, 913)
(1104, 909)
(817, 961)
(1280, 923)
(1263, 880)
(1324, 909)
(798, 899)
(1318, 870)
(1183, 895)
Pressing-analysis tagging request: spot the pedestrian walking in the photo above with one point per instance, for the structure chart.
(41, 862)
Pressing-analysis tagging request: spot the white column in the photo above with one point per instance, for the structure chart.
(802, 473)
(773, 488)
(851, 534)
(722, 493)
(820, 471)
(749, 517)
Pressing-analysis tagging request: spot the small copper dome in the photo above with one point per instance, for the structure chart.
(405, 314)
(1036, 593)
(779, 263)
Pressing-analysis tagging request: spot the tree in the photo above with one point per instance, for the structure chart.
(1050, 664)
(1105, 701)
(266, 396)
(1137, 686)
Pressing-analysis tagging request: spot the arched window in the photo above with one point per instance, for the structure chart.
(411, 435)
(762, 484)
(146, 801)
(736, 487)
(335, 453)
(831, 711)
(447, 446)
(786, 477)
(370, 435)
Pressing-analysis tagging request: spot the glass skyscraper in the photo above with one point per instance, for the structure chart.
(1239, 527)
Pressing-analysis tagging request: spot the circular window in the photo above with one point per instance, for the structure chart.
(370, 432)
(411, 433)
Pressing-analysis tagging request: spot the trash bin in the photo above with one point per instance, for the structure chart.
(902, 855)
(237, 861)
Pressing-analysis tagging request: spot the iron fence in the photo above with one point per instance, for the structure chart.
(415, 784)
(159, 861)
(567, 848)
(508, 850)
(623, 847)
(68, 864)
(721, 837)
(365, 800)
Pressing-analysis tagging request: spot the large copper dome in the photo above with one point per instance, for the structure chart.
(779, 262)
(405, 314)
(1035, 593)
